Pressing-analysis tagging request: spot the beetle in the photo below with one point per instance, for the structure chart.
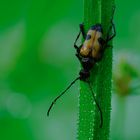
(89, 53)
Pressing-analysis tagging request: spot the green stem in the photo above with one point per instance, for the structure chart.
(96, 11)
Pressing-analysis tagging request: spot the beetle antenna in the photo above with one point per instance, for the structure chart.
(54, 101)
(101, 116)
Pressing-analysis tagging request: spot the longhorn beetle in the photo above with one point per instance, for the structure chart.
(89, 53)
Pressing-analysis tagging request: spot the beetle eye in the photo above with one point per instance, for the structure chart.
(88, 37)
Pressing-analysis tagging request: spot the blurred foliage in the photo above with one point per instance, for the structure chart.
(37, 62)
(123, 80)
(126, 78)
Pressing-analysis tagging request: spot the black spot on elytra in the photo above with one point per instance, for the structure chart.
(88, 37)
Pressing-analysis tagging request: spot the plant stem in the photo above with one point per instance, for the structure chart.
(97, 11)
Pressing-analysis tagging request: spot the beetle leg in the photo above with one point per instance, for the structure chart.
(114, 32)
(109, 38)
(112, 26)
(103, 43)
(82, 30)
(79, 58)
(83, 34)
(75, 46)
(78, 53)
(79, 47)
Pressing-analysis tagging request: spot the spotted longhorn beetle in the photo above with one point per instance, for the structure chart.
(89, 53)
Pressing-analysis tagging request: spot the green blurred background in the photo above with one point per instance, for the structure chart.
(37, 62)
